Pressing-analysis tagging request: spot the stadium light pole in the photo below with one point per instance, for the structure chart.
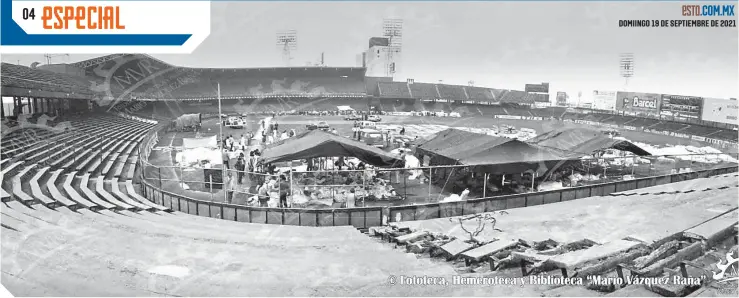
(627, 68)
(220, 120)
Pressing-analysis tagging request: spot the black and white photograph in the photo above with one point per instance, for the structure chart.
(369, 148)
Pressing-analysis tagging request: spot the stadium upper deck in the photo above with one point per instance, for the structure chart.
(137, 76)
(428, 91)
(142, 76)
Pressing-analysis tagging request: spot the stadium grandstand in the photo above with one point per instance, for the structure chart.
(101, 198)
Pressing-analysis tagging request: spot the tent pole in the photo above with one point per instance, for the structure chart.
(429, 179)
(290, 180)
(485, 185)
(210, 179)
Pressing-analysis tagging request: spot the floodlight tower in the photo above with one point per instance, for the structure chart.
(392, 29)
(287, 41)
(626, 65)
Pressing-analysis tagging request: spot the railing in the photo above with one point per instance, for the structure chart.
(450, 209)
(364, 217)
(359, 217)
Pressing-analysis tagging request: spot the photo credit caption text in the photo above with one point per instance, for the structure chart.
(424, 280)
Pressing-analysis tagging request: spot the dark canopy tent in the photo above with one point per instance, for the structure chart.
(583, 141)
(515, 157)
(485, 153)
(318, 143)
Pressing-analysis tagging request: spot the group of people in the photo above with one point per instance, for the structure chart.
(273, 187)
(232, 144)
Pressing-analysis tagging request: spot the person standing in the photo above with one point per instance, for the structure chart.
(351, 199)
(230, 188)
(310, 166)
(263, 195)
(226, 159)
(240, 166)
(250, 168)
(284, 191)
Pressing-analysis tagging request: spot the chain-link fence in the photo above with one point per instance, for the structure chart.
(334, 188)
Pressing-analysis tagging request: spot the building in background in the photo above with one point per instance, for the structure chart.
(604, 100)
(720, 110)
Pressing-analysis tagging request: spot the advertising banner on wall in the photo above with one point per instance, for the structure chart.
(604, 100)
(681, 107)
(537, 88)
(720, 110)
(561, 99)
(638, 103)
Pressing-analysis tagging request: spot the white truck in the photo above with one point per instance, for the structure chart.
(235, 122)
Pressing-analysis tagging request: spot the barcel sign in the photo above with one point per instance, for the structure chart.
(638, 102)
(644, 103)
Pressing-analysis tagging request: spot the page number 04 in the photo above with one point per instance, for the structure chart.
(28, 14)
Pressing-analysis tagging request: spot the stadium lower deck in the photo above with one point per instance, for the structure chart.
(89, 234)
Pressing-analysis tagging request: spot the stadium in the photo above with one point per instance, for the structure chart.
(124, 175)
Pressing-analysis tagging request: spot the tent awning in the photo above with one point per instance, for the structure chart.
(344, 108)
(583, 141)
(207, 142)
(495, 155)
(318, 143)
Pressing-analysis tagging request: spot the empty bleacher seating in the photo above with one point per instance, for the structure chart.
(423, 91)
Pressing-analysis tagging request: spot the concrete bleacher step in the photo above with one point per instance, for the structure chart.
(131, 168)
(715, 229)
(56, 195)
(113, 188)
(99, 188)
(455, 248)
(36, 190)
(84, 163)
(18, 185)
(30, 221)
(119, 164)
(9, 171)
(83, 182)
(73, 195)
(477, 254)
(178, 226)
(12, 223)
(130, 190)
(113, 158)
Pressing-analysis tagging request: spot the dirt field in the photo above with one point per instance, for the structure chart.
(298, 122)
(415, 126)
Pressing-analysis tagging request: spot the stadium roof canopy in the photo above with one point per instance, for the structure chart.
(318, 143)
(487, 153)
(584, 142)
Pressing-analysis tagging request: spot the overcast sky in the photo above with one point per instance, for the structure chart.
(573, 45)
